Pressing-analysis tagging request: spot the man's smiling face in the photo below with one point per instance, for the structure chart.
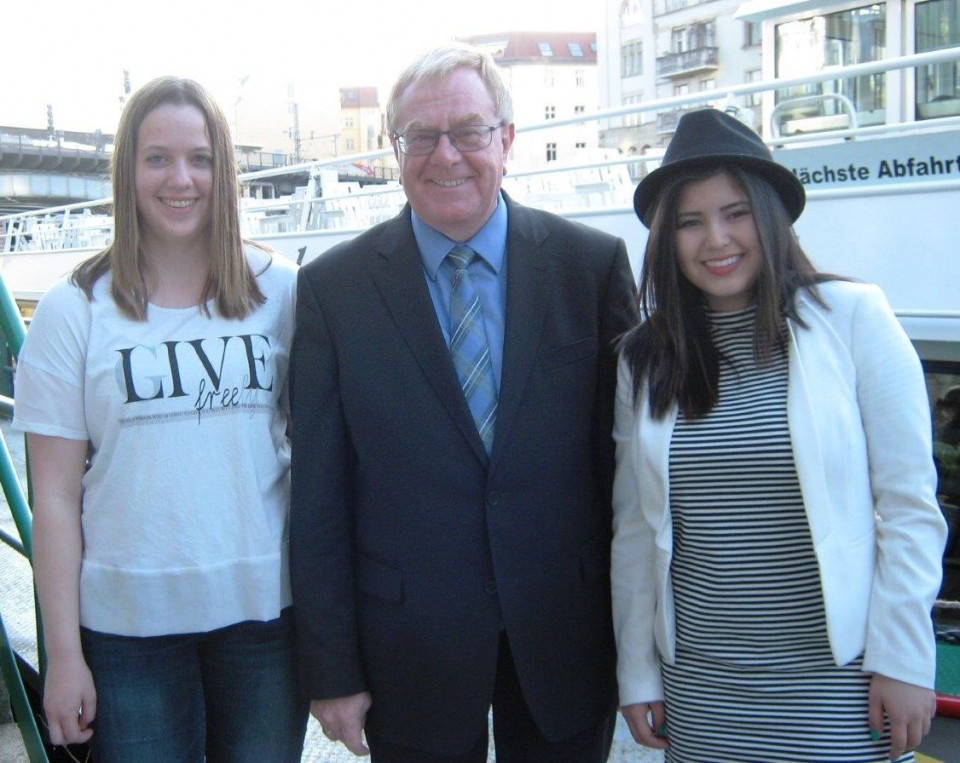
(452, 191)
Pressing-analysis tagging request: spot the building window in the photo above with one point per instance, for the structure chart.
(943, 386)
(753, 75)
(551, 152)
(580, 146)
(677, 40)
(693, 37)
(350, 145)
(700, 35)
(708, 84)
(550, 112)
(630, 11)
(751, 34)
(633, 119)
(575, 50)
(549, 80)
(545, 49)
(579, 109)
(631, 59)
(578, 78)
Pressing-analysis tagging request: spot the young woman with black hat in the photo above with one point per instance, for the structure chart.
(777, 539)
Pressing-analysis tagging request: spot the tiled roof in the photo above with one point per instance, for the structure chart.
(541, 47)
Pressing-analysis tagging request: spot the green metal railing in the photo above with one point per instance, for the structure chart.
(14, 331)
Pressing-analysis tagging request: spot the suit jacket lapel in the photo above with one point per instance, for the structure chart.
(400, 279)
(527, 271)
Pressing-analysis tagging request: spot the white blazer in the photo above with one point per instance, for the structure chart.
(860, 429)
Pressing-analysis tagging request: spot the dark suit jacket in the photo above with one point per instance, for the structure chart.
(410, 550)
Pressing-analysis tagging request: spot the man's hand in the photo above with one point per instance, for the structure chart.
(342, 720)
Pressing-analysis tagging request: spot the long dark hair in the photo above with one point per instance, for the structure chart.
(671, 350)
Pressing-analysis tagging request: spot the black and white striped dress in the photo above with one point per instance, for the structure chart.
(754, 680)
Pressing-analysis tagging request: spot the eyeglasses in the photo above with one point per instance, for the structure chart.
(464, 139)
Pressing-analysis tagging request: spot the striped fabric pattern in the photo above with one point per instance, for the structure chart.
(469, 346)
(754, 679)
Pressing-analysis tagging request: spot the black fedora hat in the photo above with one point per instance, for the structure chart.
(709, 135)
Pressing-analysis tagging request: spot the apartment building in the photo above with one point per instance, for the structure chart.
(654, 49)
(361, 121)
(552, 76)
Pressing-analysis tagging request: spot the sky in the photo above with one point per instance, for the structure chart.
(72, 53)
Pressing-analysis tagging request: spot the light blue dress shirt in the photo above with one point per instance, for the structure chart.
(488, 272)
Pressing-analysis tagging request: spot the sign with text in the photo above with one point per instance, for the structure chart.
(879, 161)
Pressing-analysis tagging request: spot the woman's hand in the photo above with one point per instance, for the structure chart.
(910, 709)
(57, 466)
(69, 700)
(648, 723)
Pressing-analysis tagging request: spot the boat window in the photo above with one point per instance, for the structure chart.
(943, 389)
(843, 38)
(937, 24)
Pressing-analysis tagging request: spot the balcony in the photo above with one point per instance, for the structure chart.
(688, 62)
(634, 139)
(667, 120)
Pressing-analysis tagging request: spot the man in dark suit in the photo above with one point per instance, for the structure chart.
(452, 453)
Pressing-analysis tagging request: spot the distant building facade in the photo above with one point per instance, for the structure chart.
(551, 75)
(653, 49)
(361, 121)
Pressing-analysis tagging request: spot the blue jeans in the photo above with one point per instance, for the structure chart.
(227, 696)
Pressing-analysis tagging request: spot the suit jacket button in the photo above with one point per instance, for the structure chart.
(491, 587)
(493, 497)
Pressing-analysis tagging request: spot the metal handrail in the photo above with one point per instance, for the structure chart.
(845, 102)
(14, 331)
(829, 73)
(10, 670)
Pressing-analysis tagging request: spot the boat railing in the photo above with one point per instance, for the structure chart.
(848, 117)
(603, 181)
(70, 226)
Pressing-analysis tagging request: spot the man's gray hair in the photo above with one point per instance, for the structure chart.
(438, 63)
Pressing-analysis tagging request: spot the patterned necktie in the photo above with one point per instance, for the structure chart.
(469, 348)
